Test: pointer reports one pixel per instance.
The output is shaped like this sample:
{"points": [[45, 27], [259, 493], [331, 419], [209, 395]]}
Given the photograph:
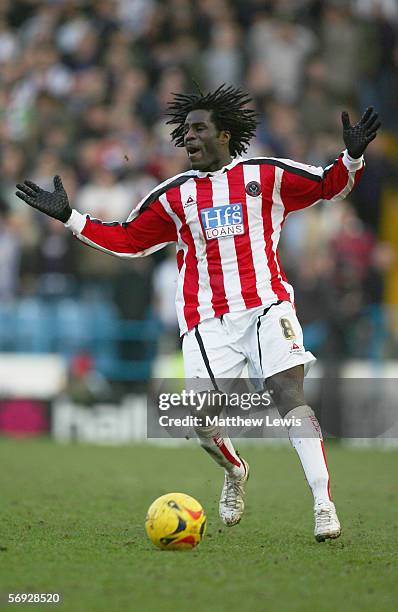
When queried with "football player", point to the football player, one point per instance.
{"points": [[234, 303]]}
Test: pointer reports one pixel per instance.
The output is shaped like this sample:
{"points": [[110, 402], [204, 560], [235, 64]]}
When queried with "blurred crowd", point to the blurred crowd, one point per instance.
{"points": [[83, 91]]}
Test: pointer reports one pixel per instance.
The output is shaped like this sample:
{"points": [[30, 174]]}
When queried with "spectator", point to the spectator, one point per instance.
{"points": [[280, 48], [86, 386], [340, 49], [9, 255], [104, 198], [164, 290], [223, 58]]}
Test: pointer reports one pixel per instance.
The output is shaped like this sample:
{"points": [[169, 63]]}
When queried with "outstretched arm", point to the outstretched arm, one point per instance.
{"points": [[301, 185], [152, 230], [148, 232]]}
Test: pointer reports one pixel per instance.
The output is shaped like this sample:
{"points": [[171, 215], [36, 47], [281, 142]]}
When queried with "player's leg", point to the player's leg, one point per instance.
{"points": [[210, 361], [283, 369], [215, 441], [286, 389]]}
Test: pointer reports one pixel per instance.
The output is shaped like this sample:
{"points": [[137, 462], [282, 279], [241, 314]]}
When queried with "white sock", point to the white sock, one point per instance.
{"points": [[307, 439], [217, 444]]}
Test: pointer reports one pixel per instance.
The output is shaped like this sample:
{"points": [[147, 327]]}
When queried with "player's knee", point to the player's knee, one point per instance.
{"points": [[286, 389], [208, 405]]}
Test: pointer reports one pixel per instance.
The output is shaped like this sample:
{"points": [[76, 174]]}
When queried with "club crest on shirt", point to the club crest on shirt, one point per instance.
{"points": [[223, 221], [253, 189]]}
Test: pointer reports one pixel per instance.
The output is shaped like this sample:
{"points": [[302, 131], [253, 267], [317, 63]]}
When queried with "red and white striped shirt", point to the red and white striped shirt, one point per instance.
{"points": [[226, 226]]}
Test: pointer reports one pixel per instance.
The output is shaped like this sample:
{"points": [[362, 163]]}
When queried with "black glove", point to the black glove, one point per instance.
{"points": [[55, 204], [358, 136]]}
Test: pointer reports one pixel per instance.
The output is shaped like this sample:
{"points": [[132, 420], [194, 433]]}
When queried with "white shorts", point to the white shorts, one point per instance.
{"points": [[267, 340]]}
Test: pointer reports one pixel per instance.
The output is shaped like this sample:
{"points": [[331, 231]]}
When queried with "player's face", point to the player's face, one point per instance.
{"points": [[207, 147]]}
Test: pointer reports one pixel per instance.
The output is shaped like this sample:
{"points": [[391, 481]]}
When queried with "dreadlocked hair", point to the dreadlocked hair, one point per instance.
{"points": [[227, 106]]}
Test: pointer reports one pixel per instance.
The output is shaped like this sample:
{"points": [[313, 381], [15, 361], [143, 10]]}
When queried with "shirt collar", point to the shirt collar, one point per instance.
{"points": [[234, 162]]}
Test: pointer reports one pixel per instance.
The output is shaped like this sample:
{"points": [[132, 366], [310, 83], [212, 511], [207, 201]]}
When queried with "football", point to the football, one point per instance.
{"points": [[175, 521]]}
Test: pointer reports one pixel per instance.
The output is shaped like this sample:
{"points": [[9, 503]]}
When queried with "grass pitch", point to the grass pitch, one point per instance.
{"points": [[72, 522]]}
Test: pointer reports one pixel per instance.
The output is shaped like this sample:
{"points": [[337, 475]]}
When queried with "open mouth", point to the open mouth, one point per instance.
{"points": [[194, 153]]}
